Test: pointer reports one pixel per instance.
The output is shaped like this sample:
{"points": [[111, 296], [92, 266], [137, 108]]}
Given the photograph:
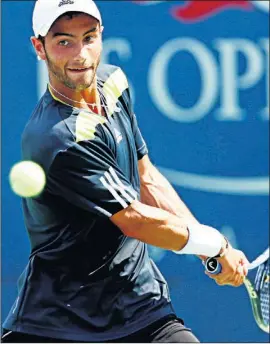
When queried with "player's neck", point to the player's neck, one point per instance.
{"points": [[86, 99]]}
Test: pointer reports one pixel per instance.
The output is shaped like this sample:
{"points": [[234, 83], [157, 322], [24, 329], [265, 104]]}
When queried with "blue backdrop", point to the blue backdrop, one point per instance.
{"points": [[200, 80]]}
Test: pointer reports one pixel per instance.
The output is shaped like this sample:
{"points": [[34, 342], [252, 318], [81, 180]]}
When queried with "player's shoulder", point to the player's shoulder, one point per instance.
{"points": [[105, 70], [111, 73], [114, 83]]}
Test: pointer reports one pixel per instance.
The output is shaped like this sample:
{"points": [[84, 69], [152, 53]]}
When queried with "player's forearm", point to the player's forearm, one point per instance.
{"points": [[160, 228], [156, 191], [153, 226]]}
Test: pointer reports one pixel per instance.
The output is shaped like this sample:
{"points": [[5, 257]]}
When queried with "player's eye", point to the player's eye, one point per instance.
{"points": [[63, 43], [89, 39]]}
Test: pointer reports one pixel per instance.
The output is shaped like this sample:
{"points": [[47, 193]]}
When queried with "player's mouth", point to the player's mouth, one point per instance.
{"points": [[79, 70]]}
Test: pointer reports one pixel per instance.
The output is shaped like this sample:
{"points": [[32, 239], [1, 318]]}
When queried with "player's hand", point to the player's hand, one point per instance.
{"points": [[234, 268]]}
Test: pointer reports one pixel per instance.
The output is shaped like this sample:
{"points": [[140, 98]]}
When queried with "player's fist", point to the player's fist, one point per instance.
{"points": [[234, 265]]}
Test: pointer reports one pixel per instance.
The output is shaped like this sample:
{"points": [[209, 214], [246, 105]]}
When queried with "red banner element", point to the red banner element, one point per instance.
{"points": [[196, 10]]}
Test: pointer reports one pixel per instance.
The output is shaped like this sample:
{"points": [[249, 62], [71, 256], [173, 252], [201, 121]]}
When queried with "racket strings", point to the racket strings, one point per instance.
{"points": [[262, 287]]}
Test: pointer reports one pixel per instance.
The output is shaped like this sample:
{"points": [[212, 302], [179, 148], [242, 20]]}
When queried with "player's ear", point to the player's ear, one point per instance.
{"points": [[101, 29], [39, 48]]}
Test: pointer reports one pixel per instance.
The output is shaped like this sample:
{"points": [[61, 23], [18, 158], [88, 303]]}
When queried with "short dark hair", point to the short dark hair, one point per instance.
{"points": [[42, 39], [69, 14]]}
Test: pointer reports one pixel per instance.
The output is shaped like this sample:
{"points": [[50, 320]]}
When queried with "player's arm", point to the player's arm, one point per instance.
{"points": [[160, 228]]}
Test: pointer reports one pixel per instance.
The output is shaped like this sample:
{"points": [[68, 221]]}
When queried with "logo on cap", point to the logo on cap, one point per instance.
{"points": [[65, 2]]}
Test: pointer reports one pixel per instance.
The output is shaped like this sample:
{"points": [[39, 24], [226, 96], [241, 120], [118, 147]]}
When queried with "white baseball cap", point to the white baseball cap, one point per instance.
{"points": [[47, 11]]}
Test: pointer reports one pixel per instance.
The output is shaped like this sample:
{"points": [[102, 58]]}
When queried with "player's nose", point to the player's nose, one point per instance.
{"points": [[80, 53]]}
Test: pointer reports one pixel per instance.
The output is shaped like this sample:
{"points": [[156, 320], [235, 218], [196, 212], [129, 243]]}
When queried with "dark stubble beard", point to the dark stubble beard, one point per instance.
{"points": [[64, 79]]}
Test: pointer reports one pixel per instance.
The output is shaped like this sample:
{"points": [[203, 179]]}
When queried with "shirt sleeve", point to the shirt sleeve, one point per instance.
{"points": [[139, 140], [88, 176]]}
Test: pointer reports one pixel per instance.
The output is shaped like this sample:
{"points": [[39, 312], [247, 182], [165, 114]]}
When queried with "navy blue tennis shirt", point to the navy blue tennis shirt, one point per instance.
{"points": [[85, 280]]}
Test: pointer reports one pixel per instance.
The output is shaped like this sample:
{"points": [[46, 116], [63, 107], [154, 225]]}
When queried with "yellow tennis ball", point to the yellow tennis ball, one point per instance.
{"points": [[27, 179]]}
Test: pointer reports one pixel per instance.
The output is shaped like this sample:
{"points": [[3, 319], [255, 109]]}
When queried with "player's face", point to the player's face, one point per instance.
{"points": [[73, 48]]}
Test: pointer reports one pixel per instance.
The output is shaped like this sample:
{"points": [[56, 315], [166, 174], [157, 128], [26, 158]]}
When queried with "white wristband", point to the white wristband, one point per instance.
{"points": [[203, 240]]}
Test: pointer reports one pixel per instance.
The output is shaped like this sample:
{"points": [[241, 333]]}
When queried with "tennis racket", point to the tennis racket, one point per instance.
{"points": [[257, 285]]}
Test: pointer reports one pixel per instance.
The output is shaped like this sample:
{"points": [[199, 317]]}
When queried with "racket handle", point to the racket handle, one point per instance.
{"points": [[212, 266]]}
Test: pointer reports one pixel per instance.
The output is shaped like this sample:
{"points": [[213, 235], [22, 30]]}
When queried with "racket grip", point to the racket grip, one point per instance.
{"points": [[213, 266]]}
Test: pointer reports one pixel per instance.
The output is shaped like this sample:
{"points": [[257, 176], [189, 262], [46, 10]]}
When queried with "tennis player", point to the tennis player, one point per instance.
{"points": [[89, 276]]}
